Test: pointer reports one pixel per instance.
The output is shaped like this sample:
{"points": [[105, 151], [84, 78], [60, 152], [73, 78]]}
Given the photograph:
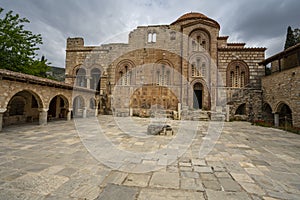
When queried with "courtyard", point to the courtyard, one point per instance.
{"points": [[56, 162]]}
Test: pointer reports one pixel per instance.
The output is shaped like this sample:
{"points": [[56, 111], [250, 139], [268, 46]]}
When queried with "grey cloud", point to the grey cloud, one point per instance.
{"points": [[256, 22]]}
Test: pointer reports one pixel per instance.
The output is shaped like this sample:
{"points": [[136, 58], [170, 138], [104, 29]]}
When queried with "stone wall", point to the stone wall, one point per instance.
{"points": [[172, 44], [283, 88], [43, 91]]}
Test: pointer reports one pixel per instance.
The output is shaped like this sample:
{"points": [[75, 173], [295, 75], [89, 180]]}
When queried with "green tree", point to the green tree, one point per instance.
{"points": [[290, 38], [297, 35], [18, 46]]}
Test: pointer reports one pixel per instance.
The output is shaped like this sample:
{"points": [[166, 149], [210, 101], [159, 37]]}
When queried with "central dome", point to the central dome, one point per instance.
{"points": [[191, 15], [195, 16]]}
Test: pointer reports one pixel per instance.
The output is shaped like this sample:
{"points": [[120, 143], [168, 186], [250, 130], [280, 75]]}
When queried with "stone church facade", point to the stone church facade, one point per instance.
{"points": [[182, 67]]}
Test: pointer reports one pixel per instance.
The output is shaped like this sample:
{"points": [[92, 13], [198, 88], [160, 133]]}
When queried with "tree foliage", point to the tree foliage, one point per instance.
{"points": [[18, 46], [292, 37]]}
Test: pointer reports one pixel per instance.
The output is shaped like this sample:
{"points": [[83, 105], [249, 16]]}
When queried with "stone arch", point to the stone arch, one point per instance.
{"points": [[93, 103], [80, 74], [199, 40], [79, 107], [267, 113], [58, 107], [37, 96], [123, 73], [237, 74], [241, 109], [205, 96], [285, 114], [95, 78], [23, 106]]}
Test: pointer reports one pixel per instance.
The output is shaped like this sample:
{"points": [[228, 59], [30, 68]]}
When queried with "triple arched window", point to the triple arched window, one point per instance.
{"points": [[124, 73], [199, 66], [162, 75], [199, 41], [237, 74]]}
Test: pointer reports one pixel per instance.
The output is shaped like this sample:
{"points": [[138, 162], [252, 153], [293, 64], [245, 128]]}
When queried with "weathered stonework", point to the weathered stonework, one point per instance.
{"points": [[281, 89], [27, 98], [188, 56]]}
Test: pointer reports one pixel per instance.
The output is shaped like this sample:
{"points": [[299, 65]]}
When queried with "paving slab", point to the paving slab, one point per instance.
{"points": [[112, 191], [51, 162]]}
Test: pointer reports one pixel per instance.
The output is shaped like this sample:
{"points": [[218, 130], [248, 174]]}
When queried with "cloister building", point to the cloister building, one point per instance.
{"points": [[185, 65]]}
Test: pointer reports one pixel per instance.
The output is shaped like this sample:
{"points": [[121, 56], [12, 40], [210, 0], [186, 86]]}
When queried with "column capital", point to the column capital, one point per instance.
{"points": [[2, 110], [43, 109]]}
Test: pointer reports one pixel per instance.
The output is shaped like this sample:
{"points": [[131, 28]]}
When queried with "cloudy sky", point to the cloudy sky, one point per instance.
{"points": [[261, 23]]}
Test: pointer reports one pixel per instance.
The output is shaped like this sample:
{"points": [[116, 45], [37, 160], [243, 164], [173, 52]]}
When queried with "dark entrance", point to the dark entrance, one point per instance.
{"points": [[285, 116], [198, 93]]}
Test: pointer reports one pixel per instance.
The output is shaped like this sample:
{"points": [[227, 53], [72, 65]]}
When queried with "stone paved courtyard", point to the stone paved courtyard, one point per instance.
{"points": [[51, 162]]}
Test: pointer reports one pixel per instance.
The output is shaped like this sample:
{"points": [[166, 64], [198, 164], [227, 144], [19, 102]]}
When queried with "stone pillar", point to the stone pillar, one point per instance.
{"points": [[84, 112], [2, 110], [88, 82], [179, 111], [96, 111], [227, 113], [43, 116], [276, 119], [130, 112], [69, 114]]}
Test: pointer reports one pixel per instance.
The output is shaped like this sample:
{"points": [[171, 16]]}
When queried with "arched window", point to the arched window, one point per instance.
{"points": [[95, 79], [92, 103], [237, 74], [80, 77], [199, 65], [124, 75], [199, 41], [162, 75], [151, 37]]}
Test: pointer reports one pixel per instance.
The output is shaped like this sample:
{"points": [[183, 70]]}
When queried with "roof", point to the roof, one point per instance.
{"points": [[20, 77], [280, 54], [195, 16]]}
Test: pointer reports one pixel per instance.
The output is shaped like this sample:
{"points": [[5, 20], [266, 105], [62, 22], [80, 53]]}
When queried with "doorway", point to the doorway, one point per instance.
{"points": [[198, 94]]}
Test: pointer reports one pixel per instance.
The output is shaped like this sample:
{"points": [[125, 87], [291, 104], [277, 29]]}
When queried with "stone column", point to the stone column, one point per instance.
{"points": [[88, 82], [2, 110], [227, 113], [84, 112], [276, 119], [43, 116], [179, 111], [69, 114], [96, 111]]}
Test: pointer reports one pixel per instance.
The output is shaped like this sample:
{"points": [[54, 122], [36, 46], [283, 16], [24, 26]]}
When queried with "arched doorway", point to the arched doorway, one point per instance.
{"points": [[78, 107], [285, 115], [58, 108], [197, 97], [241, 110], [267, 114], [22, 108]]}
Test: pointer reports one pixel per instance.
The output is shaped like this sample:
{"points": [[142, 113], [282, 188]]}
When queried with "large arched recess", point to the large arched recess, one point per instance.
{"points": [[58, 107], [267, 113], [23, 107], [285, 114], [78, 106]]}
